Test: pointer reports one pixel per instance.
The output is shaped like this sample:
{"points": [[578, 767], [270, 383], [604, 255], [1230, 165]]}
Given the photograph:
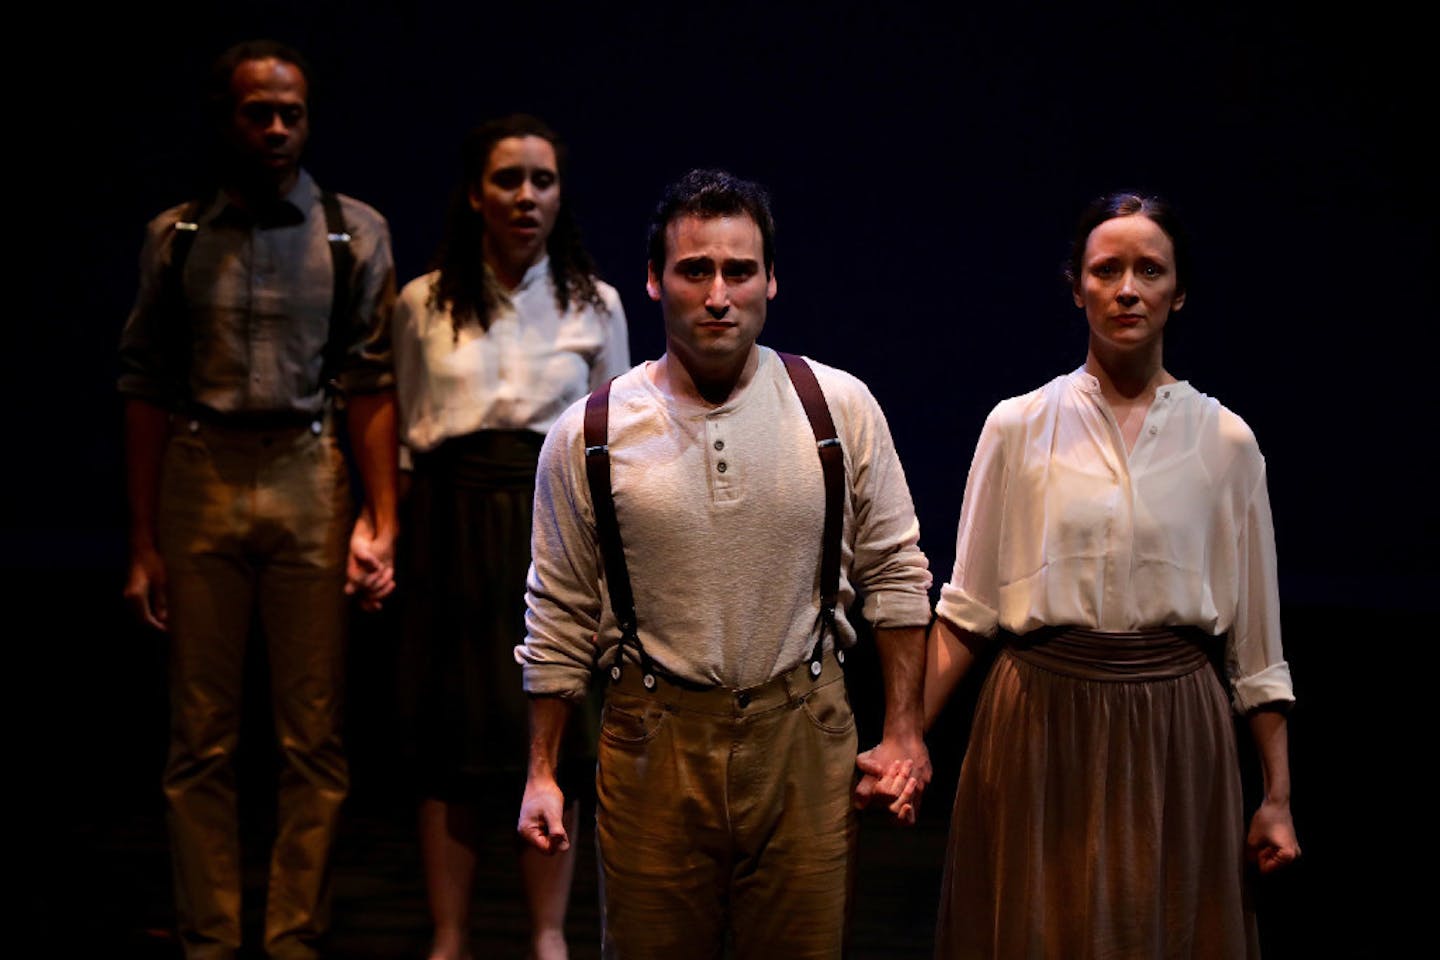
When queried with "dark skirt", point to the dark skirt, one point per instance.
{"points": [[464, 570], [1099, 812]]}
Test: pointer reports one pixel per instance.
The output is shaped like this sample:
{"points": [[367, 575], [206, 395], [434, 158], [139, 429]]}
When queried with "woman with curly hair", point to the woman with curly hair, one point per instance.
{"points": [[510, 329]]}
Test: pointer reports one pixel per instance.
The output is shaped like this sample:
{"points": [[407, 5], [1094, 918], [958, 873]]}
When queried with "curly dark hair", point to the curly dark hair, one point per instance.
{"points": [[1124, 204], [461, 260], [708, 194]]}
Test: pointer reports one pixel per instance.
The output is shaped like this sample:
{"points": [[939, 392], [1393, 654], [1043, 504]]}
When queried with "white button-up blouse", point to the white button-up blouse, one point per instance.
{"points": [[520, 374], [1061, 527]]}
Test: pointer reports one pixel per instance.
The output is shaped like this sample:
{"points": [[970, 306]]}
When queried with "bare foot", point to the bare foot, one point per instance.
{"points": [[549, 945], [449, 950]]}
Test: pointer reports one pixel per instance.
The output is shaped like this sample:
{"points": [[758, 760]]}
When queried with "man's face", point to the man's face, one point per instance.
{"points": [[268, 122], [712, 291]]}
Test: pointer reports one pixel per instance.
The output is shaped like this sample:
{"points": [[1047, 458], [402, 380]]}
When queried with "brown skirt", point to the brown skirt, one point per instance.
{"points": [[1099, 812]]}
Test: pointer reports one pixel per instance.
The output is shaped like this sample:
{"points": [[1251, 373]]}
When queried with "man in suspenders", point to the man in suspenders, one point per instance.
{"points": [[258, 306], [702, 528]]}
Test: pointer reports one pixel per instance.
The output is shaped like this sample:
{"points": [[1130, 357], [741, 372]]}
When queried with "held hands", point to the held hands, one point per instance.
{"points": [[145, 589], [542, 816], [370, 567], [1271, 842], [896, 773]]}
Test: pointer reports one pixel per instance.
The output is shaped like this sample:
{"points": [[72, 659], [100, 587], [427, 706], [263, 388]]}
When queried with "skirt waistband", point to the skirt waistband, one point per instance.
{"points": [[1161, 653], [486, 459]]}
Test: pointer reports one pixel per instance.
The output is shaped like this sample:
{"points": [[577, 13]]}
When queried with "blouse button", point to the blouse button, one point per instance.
{"points": [[719, 444], [1154, 430], [721, 466]]}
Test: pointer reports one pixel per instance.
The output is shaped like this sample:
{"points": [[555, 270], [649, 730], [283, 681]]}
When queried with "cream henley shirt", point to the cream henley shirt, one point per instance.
{"points": [[720, 511]]}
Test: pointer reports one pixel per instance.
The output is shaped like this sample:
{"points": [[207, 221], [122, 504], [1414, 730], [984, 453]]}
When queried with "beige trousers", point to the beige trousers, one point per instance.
{"points": [[254, 522], [727, 813]]}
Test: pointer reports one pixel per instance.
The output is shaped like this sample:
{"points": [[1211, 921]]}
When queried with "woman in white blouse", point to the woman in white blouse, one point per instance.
{"points": [[490, 348], [1116, 535]]}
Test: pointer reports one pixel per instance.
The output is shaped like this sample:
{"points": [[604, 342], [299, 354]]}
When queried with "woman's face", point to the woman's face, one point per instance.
{"points": [[1127, 284], [519, 197]]}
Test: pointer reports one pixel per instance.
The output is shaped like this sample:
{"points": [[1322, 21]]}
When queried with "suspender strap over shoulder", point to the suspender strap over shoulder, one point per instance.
{"points": [[832, 463], [342, 262], [179, 339], [607, 525], [607, 528]]}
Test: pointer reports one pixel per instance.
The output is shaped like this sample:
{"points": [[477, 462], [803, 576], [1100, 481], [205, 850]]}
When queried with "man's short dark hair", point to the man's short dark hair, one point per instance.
{"points": [[708, 194], [223, 69]]}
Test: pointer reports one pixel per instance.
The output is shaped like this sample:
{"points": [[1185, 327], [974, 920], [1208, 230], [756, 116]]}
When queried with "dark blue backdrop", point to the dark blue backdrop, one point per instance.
{"points": [[926, 167]]}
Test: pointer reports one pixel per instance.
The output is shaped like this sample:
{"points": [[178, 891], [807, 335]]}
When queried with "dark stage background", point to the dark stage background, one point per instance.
{"points": [[926, 167]]}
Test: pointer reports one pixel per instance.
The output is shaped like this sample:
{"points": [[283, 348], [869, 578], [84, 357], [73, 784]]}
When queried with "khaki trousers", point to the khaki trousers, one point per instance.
{"points": [[254, 522], [727, 812]]}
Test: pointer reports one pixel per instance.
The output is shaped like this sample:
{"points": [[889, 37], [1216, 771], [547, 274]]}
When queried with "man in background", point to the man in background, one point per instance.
{"points": [[262, 309]]}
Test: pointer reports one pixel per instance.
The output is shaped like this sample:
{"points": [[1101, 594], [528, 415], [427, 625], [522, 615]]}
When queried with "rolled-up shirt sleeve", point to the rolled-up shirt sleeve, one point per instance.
{"points": [[563, 591], [971, 600], [888, 570], [146, 354], [367, 365], [1256, 661]]}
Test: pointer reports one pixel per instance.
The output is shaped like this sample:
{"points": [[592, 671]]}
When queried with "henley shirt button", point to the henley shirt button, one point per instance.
{"points": [[743, 698], [721, 466], [719, 444]]}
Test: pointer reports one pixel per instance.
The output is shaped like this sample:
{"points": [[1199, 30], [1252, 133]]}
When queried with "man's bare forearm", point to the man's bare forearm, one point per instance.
{"points": [[146, 430], [548, 716], [902, 662], [371, 420]]}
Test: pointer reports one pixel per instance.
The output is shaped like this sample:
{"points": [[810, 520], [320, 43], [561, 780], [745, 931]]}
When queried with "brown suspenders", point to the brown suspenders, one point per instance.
{"points": [[607, 526], [181, 336]]}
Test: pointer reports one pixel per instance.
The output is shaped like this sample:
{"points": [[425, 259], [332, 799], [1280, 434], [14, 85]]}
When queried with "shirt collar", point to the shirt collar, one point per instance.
{"points": [[536, 273], [293, 208], [1086, 382]]}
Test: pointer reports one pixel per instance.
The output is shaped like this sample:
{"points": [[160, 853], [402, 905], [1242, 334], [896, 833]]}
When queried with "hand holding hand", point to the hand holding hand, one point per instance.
{"points": [[894, 786], [370, 567], [895, 772]]}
